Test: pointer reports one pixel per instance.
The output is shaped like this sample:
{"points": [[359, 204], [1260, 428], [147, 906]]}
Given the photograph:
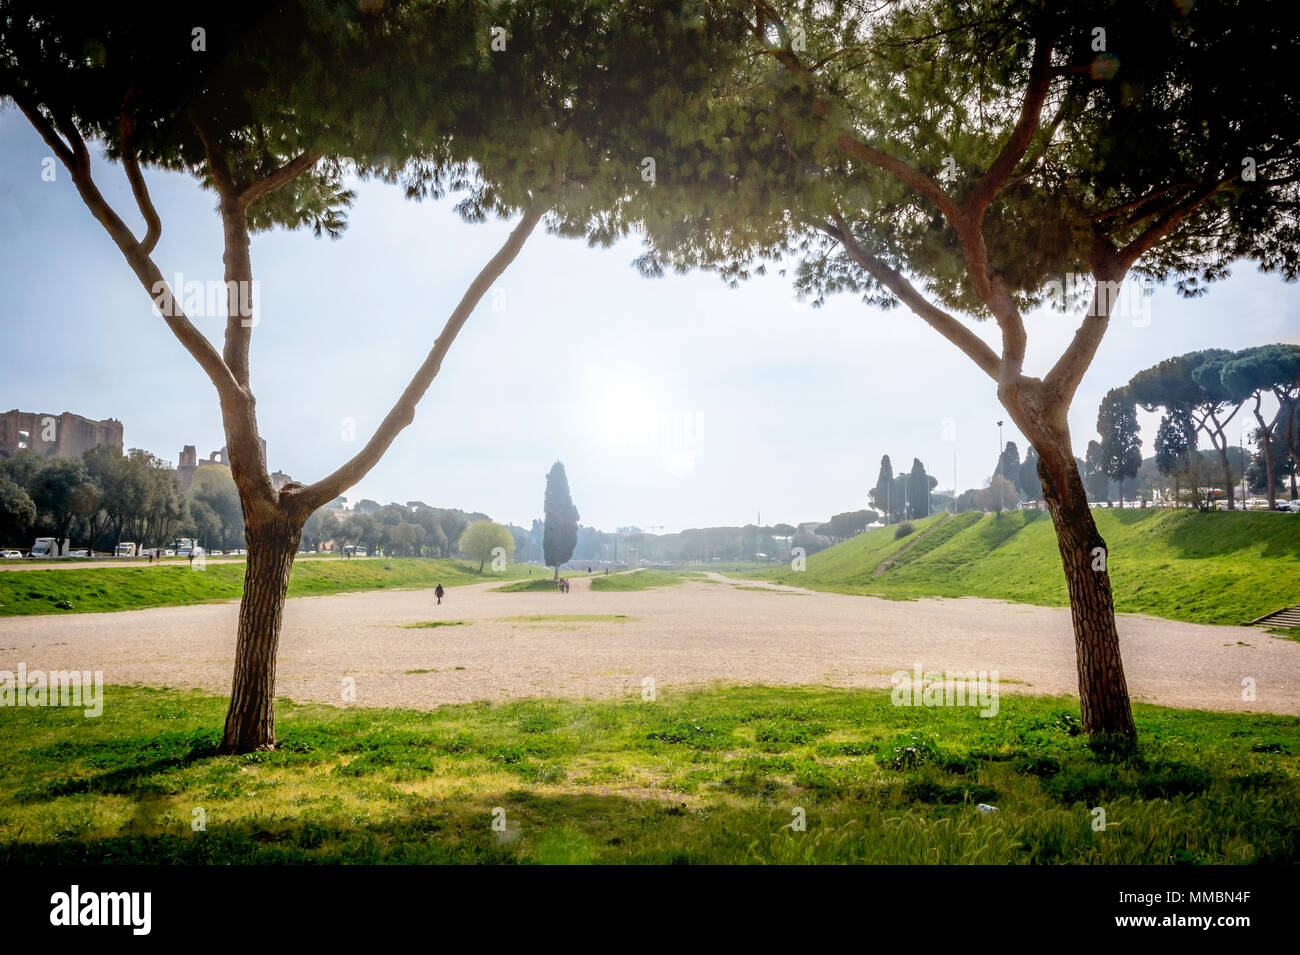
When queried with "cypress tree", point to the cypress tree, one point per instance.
{"points": [[560, 535]]}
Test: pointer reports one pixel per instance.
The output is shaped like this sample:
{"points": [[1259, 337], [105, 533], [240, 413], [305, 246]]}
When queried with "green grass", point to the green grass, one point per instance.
{"points": [[1223, 568], [640, 580], [129, 588], [544, 584], [711, 776], [429, 624]]}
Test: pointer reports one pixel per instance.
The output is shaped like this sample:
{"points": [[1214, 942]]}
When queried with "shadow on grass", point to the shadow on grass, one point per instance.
{"points": [[123, 780], [1220, 534]]}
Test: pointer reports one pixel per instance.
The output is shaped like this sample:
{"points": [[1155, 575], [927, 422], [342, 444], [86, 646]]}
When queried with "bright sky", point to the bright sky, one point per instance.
{"points": [[673, 403]]}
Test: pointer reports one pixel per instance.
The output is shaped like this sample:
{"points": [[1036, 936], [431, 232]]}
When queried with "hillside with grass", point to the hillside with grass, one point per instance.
{"points": [[1224, 568]]}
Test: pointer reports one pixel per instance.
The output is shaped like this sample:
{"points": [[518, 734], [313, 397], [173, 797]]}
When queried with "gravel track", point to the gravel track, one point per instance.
{"points": [[692, 634]]}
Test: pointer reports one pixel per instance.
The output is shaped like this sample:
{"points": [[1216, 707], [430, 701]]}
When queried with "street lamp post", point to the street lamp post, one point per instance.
{"points": [[998, 472], [1241, 457]]}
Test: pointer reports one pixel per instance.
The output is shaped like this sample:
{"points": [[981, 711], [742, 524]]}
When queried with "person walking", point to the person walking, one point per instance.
{"points": [[439, 592]]}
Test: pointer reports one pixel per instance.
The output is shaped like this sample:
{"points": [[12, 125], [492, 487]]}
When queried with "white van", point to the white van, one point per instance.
{"points": [[45, 547], [127, 549]]}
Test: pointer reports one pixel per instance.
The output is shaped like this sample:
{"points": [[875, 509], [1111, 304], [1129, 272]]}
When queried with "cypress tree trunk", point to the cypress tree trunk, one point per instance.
{"points": [[250, 720], [1103, 691]]}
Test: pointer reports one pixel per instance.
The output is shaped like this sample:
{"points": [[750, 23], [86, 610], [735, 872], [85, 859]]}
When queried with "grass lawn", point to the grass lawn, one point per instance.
{"points": [[1220, 567], [711, 776], [640, 580], [543, 584], [130, 588]]}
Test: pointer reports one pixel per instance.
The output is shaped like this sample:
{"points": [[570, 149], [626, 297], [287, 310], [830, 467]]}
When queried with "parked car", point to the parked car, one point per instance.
{"points": [[168, 552], [78, 553], [10, 554], [1290, 506]]}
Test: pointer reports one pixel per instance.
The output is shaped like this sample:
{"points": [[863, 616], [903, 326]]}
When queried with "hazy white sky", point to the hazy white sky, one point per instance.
{"points": [[673, 403]]}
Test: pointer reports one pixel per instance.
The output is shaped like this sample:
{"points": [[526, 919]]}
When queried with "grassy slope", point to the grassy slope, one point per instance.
{"points": [[710, 776], [1209, 568], [129, 588]]}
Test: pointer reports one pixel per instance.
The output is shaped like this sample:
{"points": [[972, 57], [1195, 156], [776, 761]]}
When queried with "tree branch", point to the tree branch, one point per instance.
{"points": [[217, 166], [926, 185], [44, 126], [281, 177], [131, 163], [238, 264], [904, 172], [1135, 204], [403, 412], [1073, 363], [1040, 82], [146, 271], [946, 325], [1170, 220]]}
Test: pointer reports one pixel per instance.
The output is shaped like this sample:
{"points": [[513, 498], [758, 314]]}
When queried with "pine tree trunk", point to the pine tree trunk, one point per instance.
{"points": [[1103, 691], [1271, 478], [250, 720]]}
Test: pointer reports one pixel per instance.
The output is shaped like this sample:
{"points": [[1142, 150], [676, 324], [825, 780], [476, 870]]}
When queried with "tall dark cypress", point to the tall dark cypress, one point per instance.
{"points": [[882, 493], [560, 535]]}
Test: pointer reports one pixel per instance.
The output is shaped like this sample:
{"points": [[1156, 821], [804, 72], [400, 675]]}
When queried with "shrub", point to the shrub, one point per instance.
{"points": [[907, 752], [903, 529]]}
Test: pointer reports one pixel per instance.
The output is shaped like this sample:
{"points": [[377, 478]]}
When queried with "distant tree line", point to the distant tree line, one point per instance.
{"points": [[910, 495], [104, 498], [97, 500], [1201, 393], [413, 529]]}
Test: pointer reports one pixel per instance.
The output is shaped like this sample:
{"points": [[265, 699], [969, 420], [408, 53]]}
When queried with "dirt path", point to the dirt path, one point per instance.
{"points": [[691, 634]]}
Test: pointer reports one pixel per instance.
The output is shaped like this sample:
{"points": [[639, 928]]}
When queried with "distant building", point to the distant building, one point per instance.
{"points": [[68, 435], [190, 462]]}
